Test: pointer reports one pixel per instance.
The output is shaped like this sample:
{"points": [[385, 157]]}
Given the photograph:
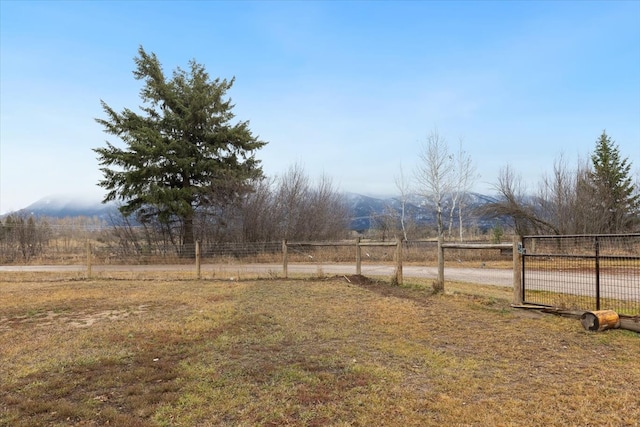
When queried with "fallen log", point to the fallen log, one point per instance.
{"points": [[600, 320], [630, 323]]}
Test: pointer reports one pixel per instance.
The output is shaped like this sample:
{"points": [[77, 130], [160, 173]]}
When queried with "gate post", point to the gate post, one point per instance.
{"points": [[597, 258], [517, 271]]}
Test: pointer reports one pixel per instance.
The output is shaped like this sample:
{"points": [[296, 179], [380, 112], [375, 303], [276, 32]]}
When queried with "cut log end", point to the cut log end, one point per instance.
{"points": [[589, 321], [600, 320]]}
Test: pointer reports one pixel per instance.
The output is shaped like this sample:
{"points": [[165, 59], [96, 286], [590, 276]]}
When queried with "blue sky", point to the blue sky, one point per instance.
{"points": [[346, 89]]}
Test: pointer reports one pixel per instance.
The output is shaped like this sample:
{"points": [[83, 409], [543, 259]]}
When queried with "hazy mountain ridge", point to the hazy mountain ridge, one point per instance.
{"points": [[366, 211], [70, 206]]}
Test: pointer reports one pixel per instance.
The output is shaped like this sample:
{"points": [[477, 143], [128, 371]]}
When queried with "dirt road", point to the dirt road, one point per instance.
{"points": [[611, 285], [471, 275]]}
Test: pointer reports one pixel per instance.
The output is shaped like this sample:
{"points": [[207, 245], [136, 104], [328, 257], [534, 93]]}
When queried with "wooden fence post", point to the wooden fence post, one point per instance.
{"points": [[517, 271], [399, 262], [439, 285], [358, 257], [198, 256], [88, 259], [285, 259]]}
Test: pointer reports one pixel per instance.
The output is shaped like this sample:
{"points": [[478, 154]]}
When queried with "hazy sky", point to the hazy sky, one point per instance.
{"points": [[345, 89]]}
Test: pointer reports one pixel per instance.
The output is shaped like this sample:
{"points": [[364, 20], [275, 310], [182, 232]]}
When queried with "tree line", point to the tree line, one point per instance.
{"points": [[595, 197], [22, 237], [188, 172], [25, 237]]}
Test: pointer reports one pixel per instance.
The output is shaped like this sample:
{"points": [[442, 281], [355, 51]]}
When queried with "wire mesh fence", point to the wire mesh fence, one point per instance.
{"points": [[587, 272], [569, 271], [91, 248]]}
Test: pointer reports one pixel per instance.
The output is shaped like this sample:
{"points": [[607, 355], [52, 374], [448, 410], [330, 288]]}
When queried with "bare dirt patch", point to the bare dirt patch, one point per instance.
{"points": [[79, 319]]}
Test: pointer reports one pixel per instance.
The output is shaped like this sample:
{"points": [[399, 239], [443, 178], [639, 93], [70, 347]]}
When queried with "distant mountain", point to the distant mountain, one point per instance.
{"points": [[366, 212], [70, 206]]}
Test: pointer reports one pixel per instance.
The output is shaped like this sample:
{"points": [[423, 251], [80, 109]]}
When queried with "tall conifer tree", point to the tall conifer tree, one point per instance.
{"points": [[182, 153], [612, 186]]}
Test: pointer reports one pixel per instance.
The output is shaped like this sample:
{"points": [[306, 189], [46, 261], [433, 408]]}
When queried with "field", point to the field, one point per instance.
{"points": [[339, 351]]}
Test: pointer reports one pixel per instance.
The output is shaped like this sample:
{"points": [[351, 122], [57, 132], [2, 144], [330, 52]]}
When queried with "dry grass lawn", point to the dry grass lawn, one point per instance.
{"points": [[302, 353]]}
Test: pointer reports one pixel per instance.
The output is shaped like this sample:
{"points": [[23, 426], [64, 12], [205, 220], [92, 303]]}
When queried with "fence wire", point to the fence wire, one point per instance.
{"points": [[583, 272]]}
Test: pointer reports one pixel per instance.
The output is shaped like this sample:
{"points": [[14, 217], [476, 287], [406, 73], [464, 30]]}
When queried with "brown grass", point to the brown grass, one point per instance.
{"points": [[336, 352]]}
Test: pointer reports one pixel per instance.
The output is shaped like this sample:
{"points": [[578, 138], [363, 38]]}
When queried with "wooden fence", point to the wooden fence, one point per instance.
{"points": [[301, 252], [358, 244]]}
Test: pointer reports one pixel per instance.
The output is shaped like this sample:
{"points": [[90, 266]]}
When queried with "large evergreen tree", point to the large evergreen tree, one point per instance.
{"points": [[612, 188], [182, 153]]}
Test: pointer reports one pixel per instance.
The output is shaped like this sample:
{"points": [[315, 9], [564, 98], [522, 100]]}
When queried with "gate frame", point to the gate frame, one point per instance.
{"points": [[596, 257]]}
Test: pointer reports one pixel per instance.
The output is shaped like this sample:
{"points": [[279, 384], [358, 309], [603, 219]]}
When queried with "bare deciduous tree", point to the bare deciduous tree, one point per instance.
{"points": [[294, 208], [435, 174], [557, 197], [22, 237], [257, 226], [404, 187], [436, 180], [465, 176], [291, 202], [328, 214], [515, 204]]}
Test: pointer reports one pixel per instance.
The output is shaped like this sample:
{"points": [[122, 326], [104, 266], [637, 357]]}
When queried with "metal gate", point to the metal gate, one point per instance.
{"points": [[582, 272]]}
